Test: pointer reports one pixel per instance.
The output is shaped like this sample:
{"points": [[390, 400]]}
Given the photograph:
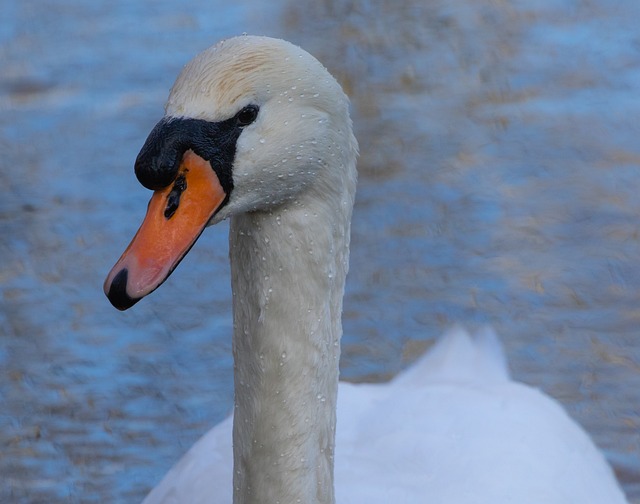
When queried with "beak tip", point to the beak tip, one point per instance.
{"points": [[117, 291]]}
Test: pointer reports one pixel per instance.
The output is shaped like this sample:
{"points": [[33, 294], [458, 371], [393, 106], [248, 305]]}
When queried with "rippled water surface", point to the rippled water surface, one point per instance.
{"points": [[499, 183]]}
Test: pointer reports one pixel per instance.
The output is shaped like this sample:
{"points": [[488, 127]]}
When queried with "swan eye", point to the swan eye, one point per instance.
{"points": [[247, 115]]}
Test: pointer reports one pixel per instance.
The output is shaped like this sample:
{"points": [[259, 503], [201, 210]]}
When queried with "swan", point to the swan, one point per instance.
{"points": [[257, 131]]}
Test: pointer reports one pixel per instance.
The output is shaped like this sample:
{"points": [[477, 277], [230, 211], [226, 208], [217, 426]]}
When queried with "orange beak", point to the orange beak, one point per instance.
{"points": [[175, 218]]}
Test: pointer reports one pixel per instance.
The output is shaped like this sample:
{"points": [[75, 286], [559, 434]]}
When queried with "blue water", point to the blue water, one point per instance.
{"points": [[499, 182]]}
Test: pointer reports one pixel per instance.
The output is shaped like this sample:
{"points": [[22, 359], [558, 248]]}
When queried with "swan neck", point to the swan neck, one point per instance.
{"points": [[288, 271]]}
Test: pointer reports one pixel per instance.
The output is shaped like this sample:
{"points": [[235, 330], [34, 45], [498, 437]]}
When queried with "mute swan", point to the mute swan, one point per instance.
{"points": [[256, 130]]}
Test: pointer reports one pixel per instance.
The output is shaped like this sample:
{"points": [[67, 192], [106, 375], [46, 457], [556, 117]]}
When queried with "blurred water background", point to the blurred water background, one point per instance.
{"points": [[499, 183]]}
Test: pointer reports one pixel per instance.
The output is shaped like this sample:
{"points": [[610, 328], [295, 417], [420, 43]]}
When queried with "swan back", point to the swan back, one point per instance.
{"points": [[450, 439], [454, 428]]}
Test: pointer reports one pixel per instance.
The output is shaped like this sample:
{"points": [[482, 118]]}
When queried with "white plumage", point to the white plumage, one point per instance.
{"points": [[452, 429]]}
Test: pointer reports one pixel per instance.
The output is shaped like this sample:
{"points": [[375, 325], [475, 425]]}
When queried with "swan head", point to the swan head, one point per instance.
{"points": [[250, 124]]}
